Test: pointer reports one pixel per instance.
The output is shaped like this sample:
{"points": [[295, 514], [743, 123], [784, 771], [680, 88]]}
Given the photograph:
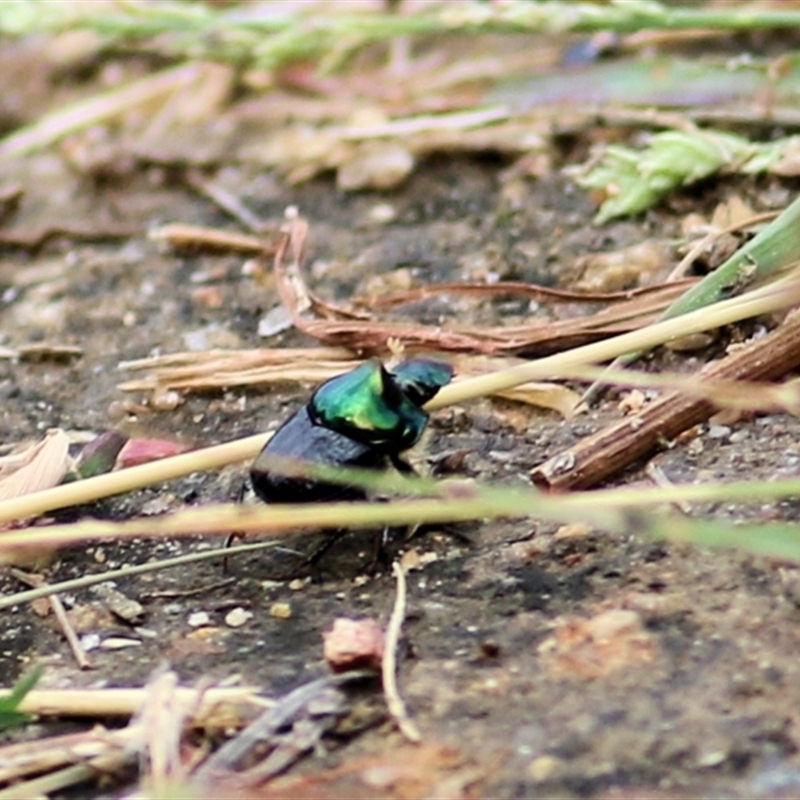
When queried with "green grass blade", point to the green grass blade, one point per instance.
{"points": [[9, 716]]}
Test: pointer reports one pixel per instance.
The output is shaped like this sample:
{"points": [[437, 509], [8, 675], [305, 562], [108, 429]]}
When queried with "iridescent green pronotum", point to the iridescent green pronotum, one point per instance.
{"points": [[365, 418]]}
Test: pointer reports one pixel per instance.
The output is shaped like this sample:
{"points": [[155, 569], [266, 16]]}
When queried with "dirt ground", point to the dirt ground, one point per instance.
{"points": [[537, 662]]}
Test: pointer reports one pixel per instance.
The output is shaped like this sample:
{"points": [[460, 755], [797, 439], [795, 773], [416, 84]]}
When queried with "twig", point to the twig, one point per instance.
{"points": [[394, 702], [37, 582], [617, 446], [193, 239]]}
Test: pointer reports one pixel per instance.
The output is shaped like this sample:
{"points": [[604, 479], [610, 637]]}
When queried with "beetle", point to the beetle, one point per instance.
{"points": [[364, 418]]}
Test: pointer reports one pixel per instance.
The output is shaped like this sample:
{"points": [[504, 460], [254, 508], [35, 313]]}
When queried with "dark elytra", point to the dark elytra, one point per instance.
{"points": [[305, 437]]}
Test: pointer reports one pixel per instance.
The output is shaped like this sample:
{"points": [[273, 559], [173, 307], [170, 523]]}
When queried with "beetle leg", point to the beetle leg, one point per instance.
{"points": [[232, 537], [401, 465], [315, 556]]}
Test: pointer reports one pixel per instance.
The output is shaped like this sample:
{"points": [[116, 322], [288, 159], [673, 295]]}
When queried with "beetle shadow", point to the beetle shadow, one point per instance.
{"points": [[343, 554]]}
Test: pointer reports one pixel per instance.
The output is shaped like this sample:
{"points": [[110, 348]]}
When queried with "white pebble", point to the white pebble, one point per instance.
{"points": [[198, 619]]}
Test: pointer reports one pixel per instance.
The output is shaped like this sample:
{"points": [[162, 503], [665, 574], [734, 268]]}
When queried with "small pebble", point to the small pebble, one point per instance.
{"points": [[274, 321], [573, 530], [118, 643], [90, 641], [198, 619], [353, 644], [382, 214], [237, 617], [719, 432], [695, 447], [411, 560], [712, 759], [280, 610], [119, 604]]}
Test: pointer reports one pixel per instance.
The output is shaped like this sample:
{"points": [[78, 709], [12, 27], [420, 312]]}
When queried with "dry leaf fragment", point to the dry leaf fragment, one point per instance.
{"points": [[43, 466], [143, 451], [732, 212], [545, 395]]}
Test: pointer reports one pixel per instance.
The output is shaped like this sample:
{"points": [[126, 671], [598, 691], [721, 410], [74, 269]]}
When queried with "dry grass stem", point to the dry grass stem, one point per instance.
{"points": [[102, 108], [164, 719], [394, 702], [86, 581], [532, 291], [224, 369], [74, 758], [227, 202], [115, 756], [90, 489], [780, 294], [336, 325], [278, 520], [213, 707]]}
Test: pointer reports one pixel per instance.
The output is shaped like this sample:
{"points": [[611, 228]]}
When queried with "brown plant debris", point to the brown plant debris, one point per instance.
{"points": [[195, 239], [221, 369], [41, 466], [282, 734], [515, 289], [357, 331], [622, 443]]}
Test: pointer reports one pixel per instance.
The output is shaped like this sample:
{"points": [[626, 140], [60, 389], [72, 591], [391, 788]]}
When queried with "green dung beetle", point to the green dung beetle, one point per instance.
{"points": [[364, 418]]}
